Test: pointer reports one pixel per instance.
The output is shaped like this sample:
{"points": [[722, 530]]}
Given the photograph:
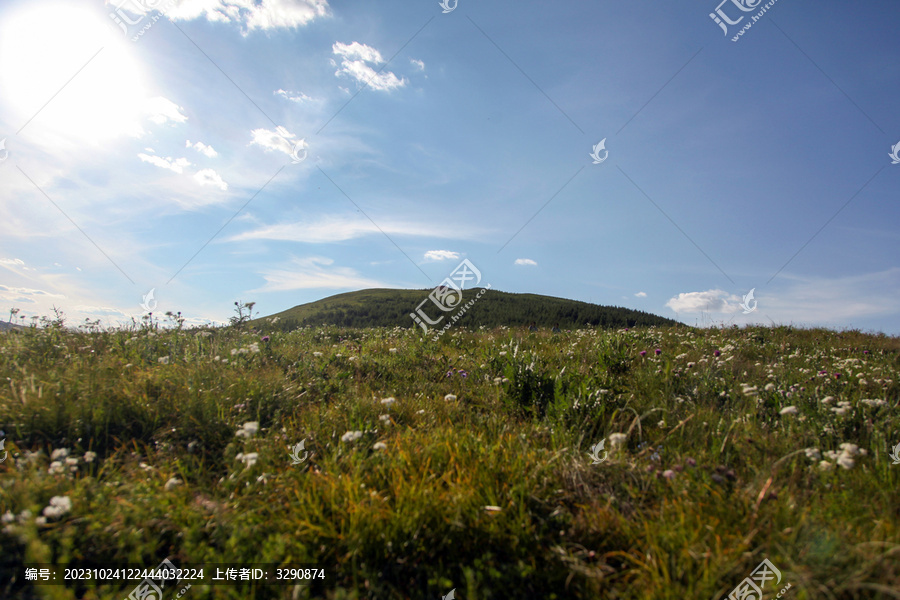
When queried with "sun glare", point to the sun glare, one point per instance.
{"points": [[42, 49]]}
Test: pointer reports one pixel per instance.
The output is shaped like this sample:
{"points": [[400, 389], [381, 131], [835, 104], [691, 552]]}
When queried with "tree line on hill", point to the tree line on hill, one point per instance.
{"points": [[493, 309]]}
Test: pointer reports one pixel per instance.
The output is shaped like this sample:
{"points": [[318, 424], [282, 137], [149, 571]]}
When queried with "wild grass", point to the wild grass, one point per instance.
{"points": [[477, 477]]}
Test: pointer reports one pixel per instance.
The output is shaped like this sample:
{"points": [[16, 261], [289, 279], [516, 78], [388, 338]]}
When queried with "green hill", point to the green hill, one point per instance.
{"points": [[392, 308]]}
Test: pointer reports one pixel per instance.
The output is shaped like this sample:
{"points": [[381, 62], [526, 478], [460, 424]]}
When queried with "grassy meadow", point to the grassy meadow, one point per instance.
{"points": [[463, 465]]}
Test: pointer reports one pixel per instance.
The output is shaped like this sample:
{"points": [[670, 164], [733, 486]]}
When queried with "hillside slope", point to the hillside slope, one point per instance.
{"points": [[391, 308]]}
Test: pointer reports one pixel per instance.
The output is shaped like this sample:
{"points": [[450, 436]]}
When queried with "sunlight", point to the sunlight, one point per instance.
{"points": [[41, 49]]}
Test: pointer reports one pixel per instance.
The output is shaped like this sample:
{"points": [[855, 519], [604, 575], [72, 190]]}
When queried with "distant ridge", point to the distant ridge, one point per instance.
{"points": [[391, 308], [6, 326]]}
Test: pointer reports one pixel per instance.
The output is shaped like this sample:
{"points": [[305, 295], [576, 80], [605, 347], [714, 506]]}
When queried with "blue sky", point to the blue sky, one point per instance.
{"points": [[166, 155]]}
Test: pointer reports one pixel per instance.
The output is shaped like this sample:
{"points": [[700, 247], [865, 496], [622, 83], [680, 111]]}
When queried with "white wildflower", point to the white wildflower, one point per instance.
{"points": [[163, 360], [351, 436], [871, 402], [789, 410], [59, 505], [845, 461], [172, 483], [617, 439], [248, 459], [450, 398], [248, 429]]}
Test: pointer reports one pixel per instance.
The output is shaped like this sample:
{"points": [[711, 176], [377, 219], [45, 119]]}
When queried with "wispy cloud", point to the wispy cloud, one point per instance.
{"points": [[279, 139], [338, 228], [314, 273], [441, 255], [251, 14], [23, 294], [641, 295], [176, 165], [202, 148], [418, 64], [526, 261], [294, 96], [162, 110], [354, 58], [210, 177]]}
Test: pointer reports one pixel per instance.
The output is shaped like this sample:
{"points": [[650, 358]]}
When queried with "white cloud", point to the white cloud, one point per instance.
{"points": [[441, 255], [356, 50], [294, 96], [251, 14], [353, 63], [526, 261], [21, 294], [176, 165], [805, 300], [420, 65], [210, 177], [338, 228], [716, 301], [12, 261], [202, 149], [161, 110], [280, 139], [641, 295], [313, 273]]}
